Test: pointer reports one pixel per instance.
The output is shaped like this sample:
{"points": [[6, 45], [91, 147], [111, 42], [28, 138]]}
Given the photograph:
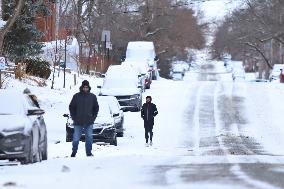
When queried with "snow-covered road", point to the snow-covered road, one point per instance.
{"points": [[210, 133]]}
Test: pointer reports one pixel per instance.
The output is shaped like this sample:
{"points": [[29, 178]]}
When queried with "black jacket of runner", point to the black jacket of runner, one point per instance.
{"points": [[148, 112], [84, 108]]}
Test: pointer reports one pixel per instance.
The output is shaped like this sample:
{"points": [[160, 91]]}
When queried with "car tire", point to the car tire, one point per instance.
{"points": [[44, 153], [120, 134], [29, 158], [154, 77], [114, 141], [38, 155]]}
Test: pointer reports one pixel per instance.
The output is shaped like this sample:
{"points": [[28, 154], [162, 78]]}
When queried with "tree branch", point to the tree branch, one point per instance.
{"points": [[259, 51], [154, 32], [12, 19]]}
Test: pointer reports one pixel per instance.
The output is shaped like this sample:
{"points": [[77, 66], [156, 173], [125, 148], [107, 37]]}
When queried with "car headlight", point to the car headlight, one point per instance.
{"points": [[135, 96], [107, 125], [13, 131], [104, 125], [15, 139]]}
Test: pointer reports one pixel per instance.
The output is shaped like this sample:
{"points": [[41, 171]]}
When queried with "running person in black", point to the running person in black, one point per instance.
{"points": [[148, 112]]}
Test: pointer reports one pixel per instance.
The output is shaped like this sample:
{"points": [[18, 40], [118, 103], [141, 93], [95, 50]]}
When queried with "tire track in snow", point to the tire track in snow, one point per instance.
{"points": [[196, 118], [236, 169]]}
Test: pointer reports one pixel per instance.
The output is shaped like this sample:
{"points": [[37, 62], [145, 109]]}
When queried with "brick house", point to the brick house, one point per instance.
{"points": [[47, 25]]}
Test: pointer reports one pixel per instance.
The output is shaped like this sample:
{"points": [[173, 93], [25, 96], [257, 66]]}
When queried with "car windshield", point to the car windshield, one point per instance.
{"points": [[139, 54], [104, 110], [11, 104], [119, 83], [114, 106]]}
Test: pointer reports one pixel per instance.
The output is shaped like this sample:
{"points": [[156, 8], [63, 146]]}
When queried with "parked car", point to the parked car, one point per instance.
{"points": [[127, 68], [104, 127], [183, 64], [275, 73], [143, 71], [177, 72], [23, 134], [176, 76], [281, 76], [238, 74], [124, 87], [117, 112], [143, 51], [124, 72]]}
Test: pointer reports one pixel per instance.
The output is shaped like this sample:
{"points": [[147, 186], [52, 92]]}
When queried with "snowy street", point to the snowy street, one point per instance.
{"points": [[220, 110], [210, 133]]}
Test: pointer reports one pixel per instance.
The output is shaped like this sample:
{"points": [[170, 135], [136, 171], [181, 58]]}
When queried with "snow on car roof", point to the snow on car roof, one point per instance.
{"points": [[120, 71], [104, 110], [112, 101], [12, 102], [141, 66], [140, 45], [277, 67]]}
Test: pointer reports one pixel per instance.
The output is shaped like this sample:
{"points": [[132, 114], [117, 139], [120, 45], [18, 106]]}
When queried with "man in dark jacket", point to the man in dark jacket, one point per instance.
{"points": [[148, 112], [83, 109]]}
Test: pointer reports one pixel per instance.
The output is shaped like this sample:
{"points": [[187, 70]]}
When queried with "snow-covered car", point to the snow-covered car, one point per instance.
{"points": [[275, 73], [143, 51], [126, 70], [126, 89], [185, 66], [117, 113], [177, 76], [238, 75], [177, 72], [104, 127], [143, 70], [23, 134]]}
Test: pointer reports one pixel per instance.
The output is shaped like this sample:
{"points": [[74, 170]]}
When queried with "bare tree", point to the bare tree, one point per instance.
{"points": [[171, 25], [256, 31]]}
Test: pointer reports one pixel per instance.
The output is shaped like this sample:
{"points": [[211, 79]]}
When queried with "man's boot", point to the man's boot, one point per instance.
{"points": [[73, 154]]}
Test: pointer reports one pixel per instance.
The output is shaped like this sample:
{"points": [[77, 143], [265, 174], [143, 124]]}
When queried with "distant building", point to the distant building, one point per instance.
{"points": [[47, 24]]}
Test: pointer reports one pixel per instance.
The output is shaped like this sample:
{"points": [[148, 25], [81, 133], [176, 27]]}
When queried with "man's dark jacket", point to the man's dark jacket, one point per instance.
{"points": [[148, 112], [84, 108]]}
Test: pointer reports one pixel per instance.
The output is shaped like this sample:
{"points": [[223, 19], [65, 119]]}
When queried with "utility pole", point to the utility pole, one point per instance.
{"points": [[56, 48], [64, 67]]}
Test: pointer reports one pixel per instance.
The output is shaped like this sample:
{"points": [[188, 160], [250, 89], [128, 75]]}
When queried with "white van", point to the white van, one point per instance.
{"points": [[123, 83], [143, 51]]}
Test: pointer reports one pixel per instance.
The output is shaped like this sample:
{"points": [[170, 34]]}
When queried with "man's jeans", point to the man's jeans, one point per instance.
{"points": [[78, 130]]}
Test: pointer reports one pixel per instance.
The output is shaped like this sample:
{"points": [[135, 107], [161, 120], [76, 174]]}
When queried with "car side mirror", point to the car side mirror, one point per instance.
{"points": [[140, 86], [35, 112], [99, 87], [66, 115], [123, 58], [156, 58], [115, 115]]}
